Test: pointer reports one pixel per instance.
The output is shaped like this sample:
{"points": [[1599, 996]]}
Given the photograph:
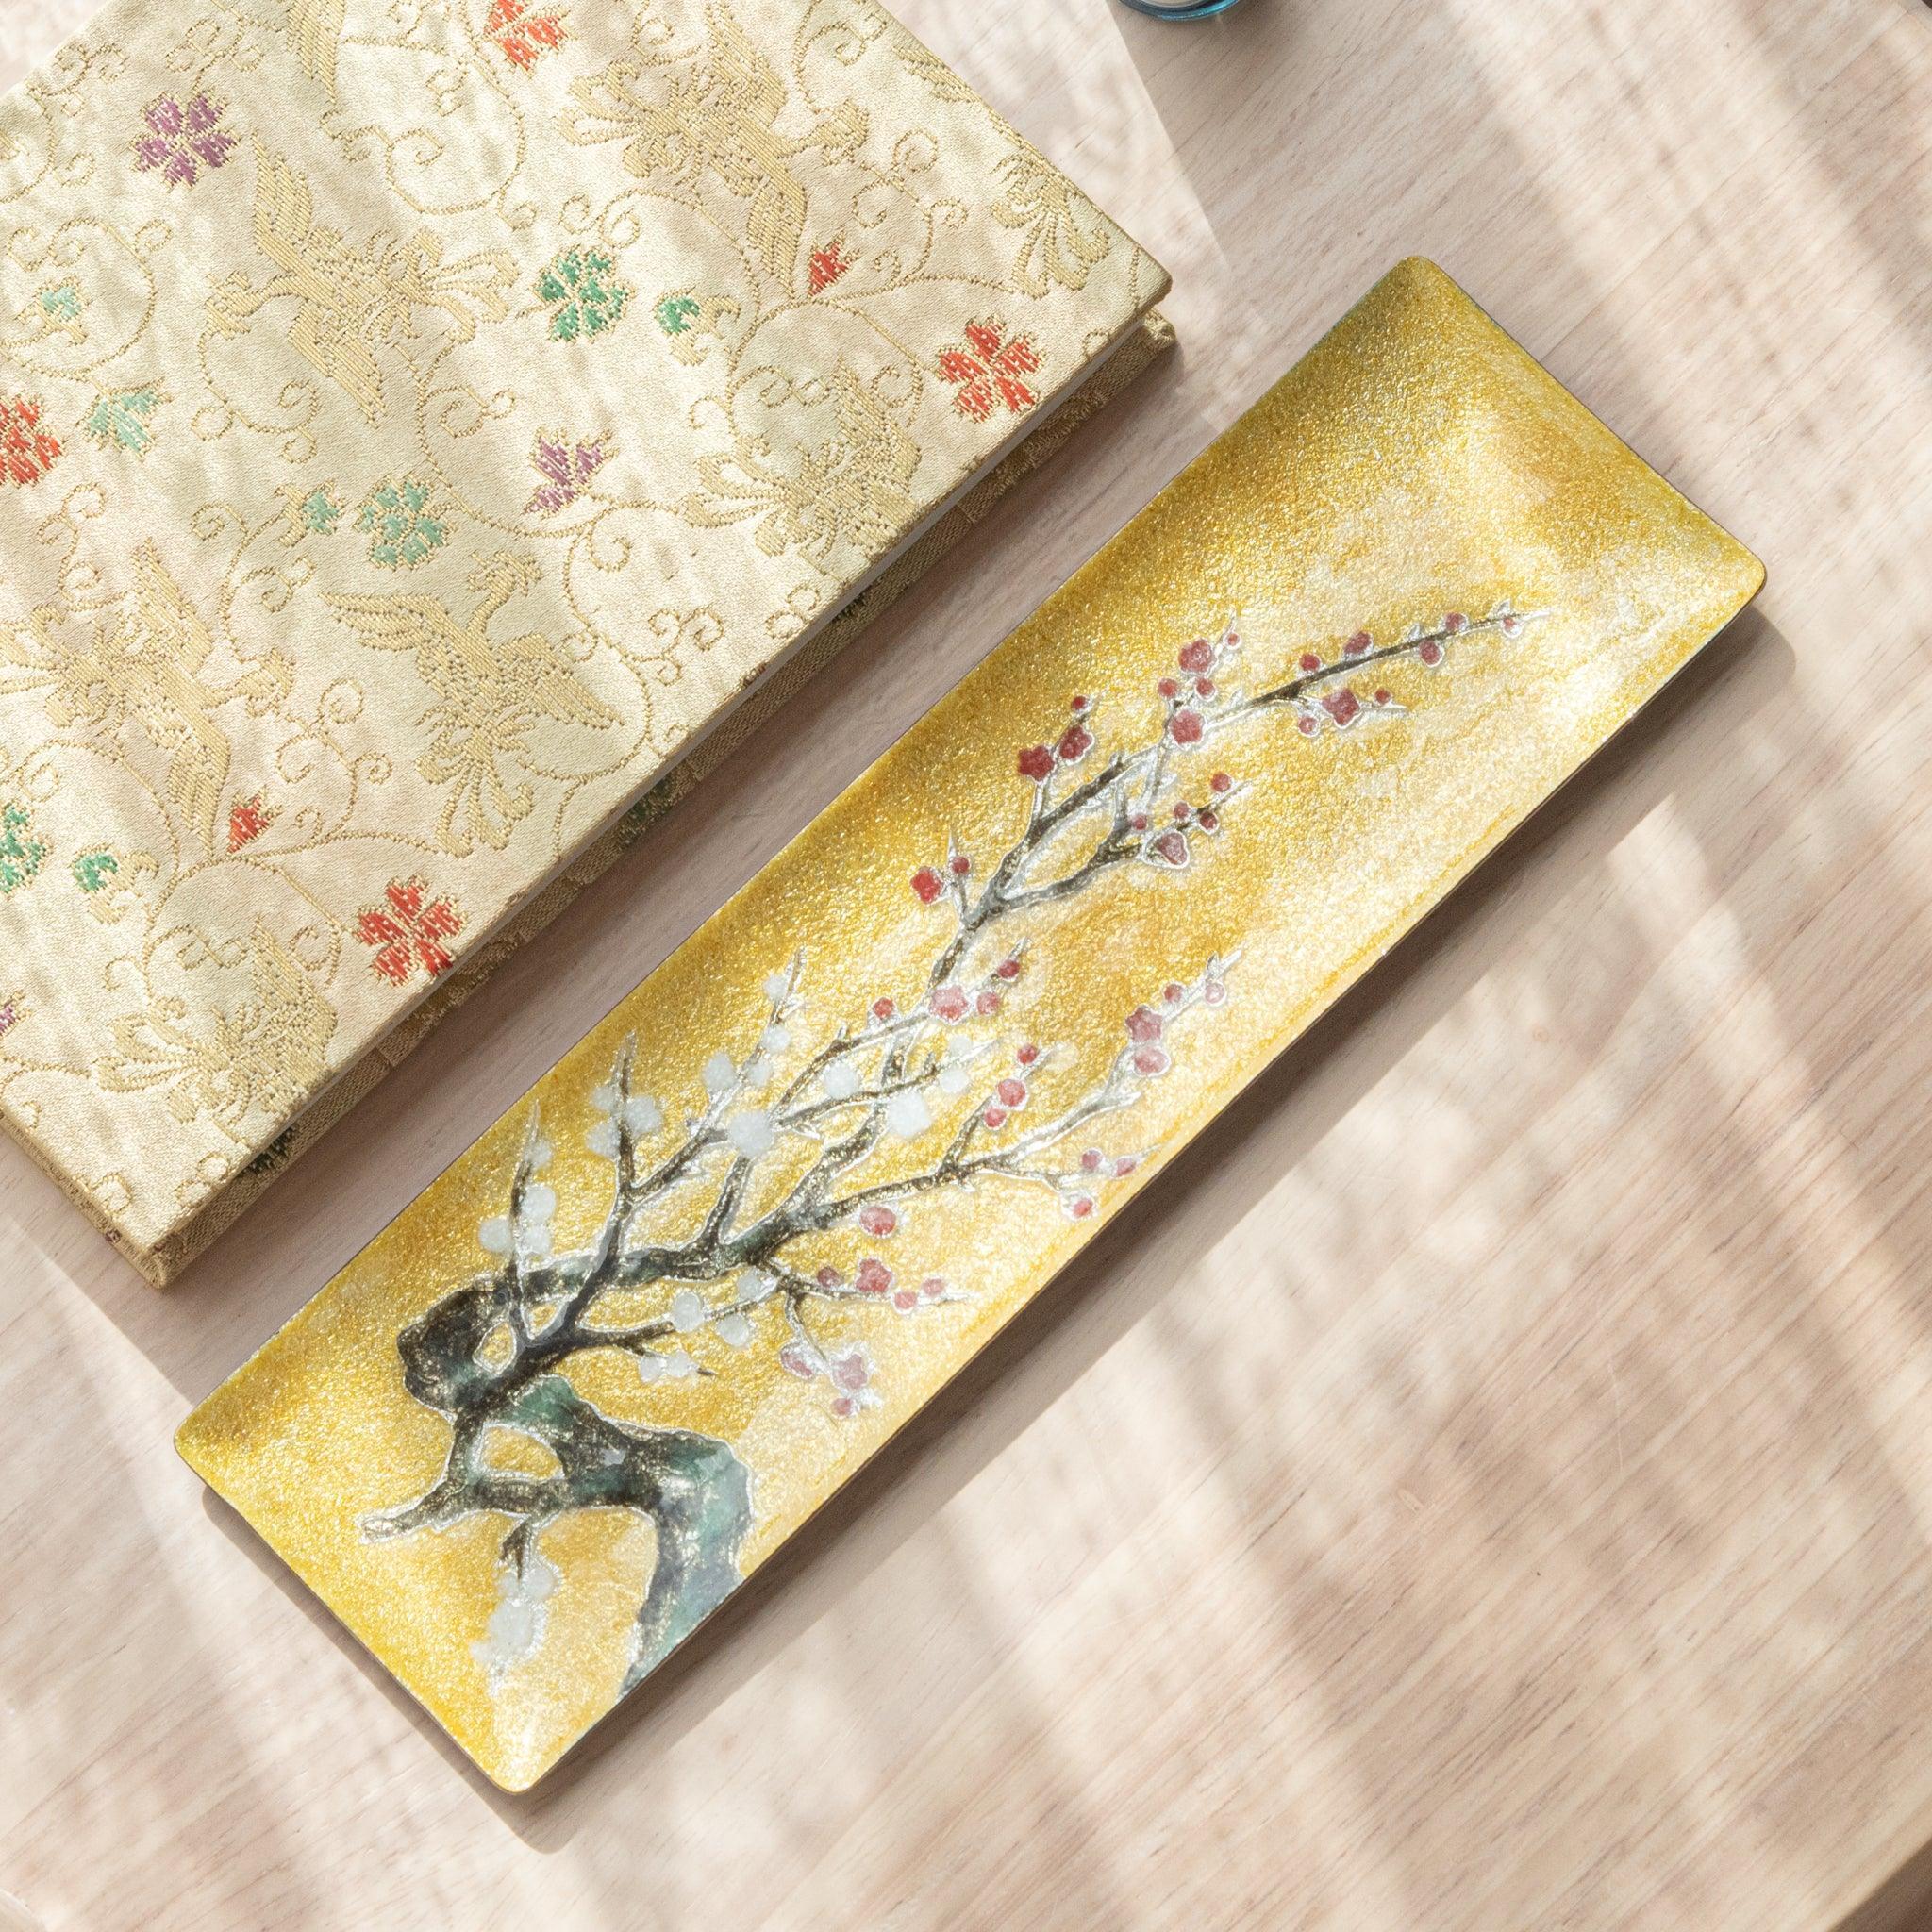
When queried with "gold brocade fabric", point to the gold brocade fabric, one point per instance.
{"points": [[417, 425]]}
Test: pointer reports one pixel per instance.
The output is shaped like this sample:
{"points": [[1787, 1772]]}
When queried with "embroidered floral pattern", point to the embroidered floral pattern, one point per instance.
{"points": [[27, 450], [407, 931], [248, 819], [675, 313], [826, 265], [990, 372], [94, 870], [20, 854], [183, 138], [401, 522], [567, 468], [585, 294], [522, 35], [123, 419]]}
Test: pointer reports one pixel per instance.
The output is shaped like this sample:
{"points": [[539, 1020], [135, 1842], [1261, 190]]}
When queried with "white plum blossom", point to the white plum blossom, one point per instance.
{"points": [[642, 1115], [774, 1038], [733, 1331], [675, 1365], [602, 1140], [840, 1080], [517, 1623], [720, 1074], [493, 1232], [753, 1133], [778, 988], [686, 1310], [908, 1114]]}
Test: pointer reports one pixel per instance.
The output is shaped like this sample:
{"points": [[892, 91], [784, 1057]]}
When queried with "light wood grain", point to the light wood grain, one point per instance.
{"points": [[1491, 1486]]}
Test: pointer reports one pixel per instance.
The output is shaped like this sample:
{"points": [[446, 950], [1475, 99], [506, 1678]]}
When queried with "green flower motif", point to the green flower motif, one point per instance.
{"points": [[584, 289], [20, 854], [401, 521], [62, 305], [123, 420], [319, 511], [92, 870], [676, 314]]}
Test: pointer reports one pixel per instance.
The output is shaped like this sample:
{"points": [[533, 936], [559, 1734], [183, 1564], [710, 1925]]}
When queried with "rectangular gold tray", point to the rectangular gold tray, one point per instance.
{"points": [[605, 1364]]}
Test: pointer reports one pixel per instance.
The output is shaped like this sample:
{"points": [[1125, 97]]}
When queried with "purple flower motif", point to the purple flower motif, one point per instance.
{"points": [[183, 139], [567, 469]]}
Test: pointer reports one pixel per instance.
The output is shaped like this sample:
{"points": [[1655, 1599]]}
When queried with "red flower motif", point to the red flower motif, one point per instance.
{"points": [[1151, 1060], [987, 1003], [407, 931], [1080, 1205], [878, 1221], [873, 1276], [27, 452], [1431, 651], [829, 1276], [1186, 725], [1036, 763], [1028, 1055], [1221, 782], [248, 819], [1309, 662], [1342, 706], [1209, 821], [1174, 993], [1090, 1161], [1199, 655], [1384, 695], [1171, 848], [523, 38], [1075, 743], [1169, 686], [959, 864], [1358, 643], [995, 1118], [987, 372], [1145, 1024], [1081, 701], [950, 1003], [1008, 968], [825, 266], [927, 884], [1455, 620], [796, 1359], [1012, 1092]]}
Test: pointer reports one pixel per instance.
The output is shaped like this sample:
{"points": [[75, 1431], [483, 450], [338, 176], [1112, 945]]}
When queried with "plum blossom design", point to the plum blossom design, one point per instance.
{"points": [[839, 1123], [183, 138]]}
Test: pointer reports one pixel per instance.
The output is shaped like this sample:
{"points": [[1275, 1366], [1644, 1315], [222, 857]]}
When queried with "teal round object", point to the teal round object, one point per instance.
{"points": [[1183, 10]]}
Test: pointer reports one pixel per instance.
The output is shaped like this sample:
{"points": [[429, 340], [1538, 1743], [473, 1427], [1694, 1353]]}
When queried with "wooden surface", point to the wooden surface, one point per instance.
{"points": [[1491, 1486]]}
